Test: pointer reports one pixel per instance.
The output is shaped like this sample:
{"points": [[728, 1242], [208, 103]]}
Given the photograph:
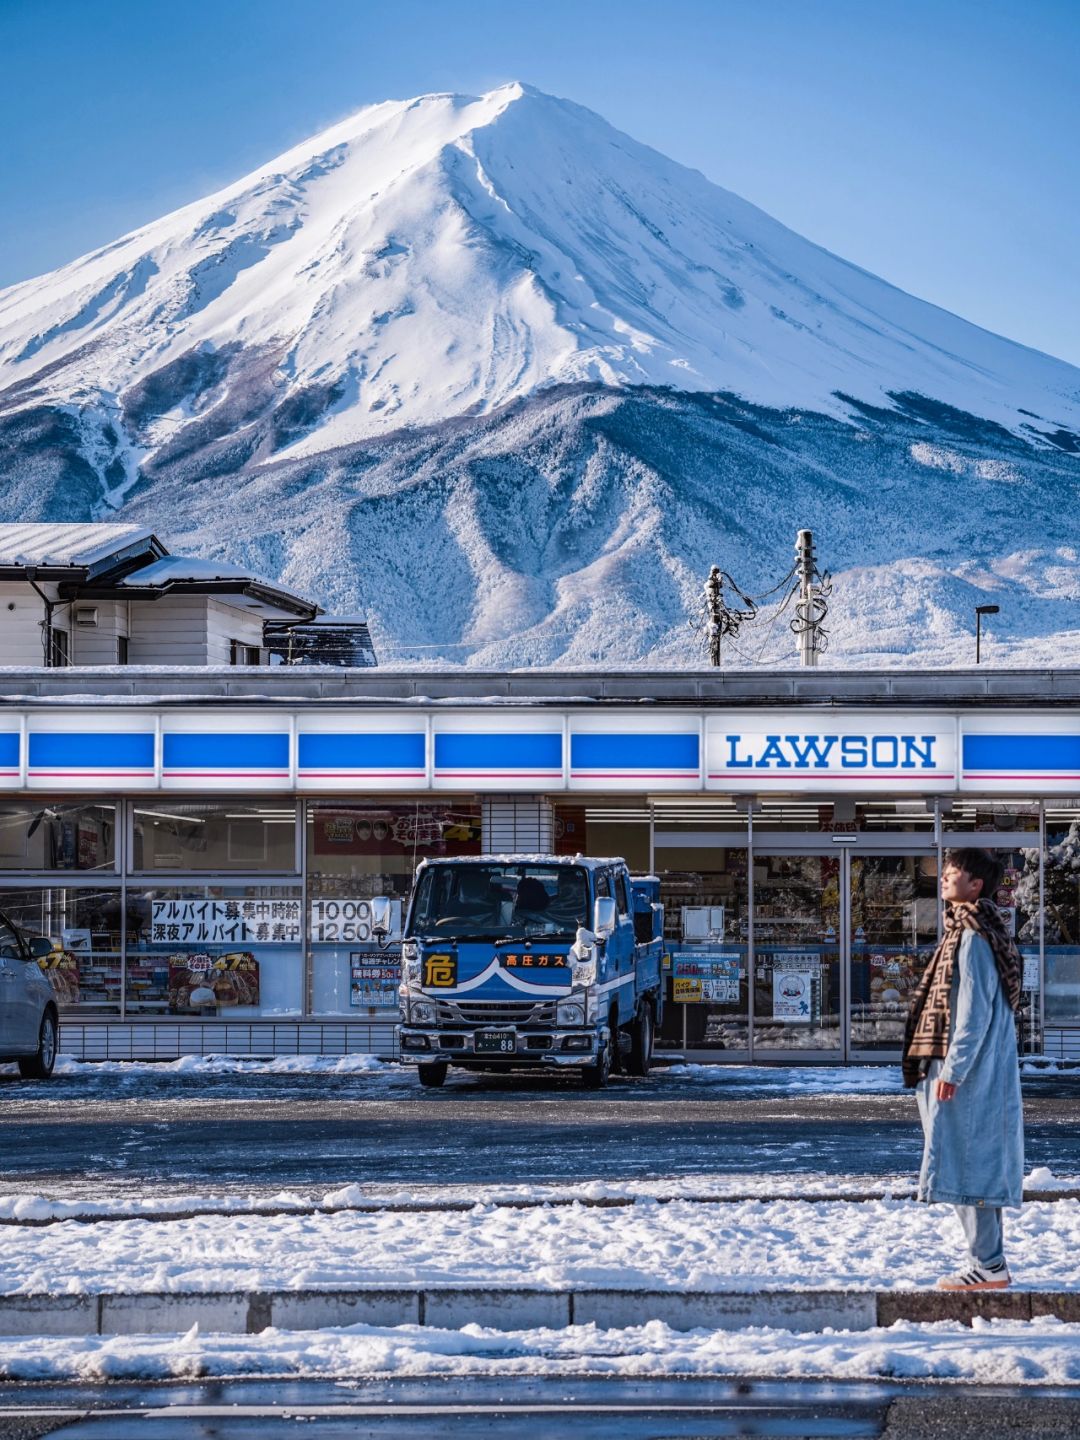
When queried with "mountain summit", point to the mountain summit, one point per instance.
{"points": [[366, 316], [442, 256]]}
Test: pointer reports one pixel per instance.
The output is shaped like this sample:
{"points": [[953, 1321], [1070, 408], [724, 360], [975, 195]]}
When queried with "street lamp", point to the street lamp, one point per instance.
{"points": [[980, 611]]}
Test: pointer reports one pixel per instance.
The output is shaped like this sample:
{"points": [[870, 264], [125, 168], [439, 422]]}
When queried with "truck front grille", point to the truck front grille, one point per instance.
{"points": [[510, 1012]]}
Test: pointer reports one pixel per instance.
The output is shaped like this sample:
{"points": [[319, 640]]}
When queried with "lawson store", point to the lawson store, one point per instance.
{"points": [[203, 862]]}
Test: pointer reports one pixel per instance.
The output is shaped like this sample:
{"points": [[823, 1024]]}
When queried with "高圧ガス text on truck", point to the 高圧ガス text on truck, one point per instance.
{"points": [[512, 961]]}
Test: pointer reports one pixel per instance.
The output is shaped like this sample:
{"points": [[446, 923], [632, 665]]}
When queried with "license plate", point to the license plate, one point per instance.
{"points": [[496, 1042]]}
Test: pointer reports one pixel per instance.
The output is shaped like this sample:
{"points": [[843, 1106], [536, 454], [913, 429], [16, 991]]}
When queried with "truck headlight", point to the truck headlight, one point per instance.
{"points": [[570, 1012], [422, 1012]]}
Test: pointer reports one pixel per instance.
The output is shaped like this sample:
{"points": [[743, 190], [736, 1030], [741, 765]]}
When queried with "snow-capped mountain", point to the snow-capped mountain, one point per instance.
{"points": [[499, 332]]}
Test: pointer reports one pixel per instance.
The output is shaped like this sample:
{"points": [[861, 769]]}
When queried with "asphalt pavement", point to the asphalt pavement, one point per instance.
{"points": [[115, 1133], [598, 1409]]}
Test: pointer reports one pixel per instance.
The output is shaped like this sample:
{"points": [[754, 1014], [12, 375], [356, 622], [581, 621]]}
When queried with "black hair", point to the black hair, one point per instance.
{"points": [[981, 865]]}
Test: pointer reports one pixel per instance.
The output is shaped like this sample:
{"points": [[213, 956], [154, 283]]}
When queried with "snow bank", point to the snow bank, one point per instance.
{"points": [[231, 1065], [737, 1245], [997, 1352]]}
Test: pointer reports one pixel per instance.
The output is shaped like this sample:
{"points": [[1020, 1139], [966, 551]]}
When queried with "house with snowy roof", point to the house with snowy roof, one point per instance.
{"points": [[112, 594]]}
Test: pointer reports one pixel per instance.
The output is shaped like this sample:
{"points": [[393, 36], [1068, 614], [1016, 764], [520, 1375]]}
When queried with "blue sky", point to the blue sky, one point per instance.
{"points": [[934, 142]]}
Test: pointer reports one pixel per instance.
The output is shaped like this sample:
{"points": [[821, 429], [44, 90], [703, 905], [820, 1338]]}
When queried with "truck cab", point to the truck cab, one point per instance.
{"points": [[530, 961]]}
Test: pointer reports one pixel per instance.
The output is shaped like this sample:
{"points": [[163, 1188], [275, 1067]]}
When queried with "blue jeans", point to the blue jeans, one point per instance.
{"points": [[983, 1233]]}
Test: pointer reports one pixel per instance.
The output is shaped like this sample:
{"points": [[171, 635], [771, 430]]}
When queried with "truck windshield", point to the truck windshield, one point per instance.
{"points": [[490, 902]]}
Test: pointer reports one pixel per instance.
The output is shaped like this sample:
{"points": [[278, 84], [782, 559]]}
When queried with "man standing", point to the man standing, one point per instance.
{"points": [[960, 1057]]}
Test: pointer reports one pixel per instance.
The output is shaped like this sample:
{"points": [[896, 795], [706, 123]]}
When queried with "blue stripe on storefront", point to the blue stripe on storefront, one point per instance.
{"points": [[609, 751], [91, 750], [356, 750], [9, 749], [225, 750], [1012, 754], [461, 750]]}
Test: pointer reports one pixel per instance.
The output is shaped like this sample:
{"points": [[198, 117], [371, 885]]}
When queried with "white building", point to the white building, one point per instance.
{"points": [[152, 822], [113, 595]]}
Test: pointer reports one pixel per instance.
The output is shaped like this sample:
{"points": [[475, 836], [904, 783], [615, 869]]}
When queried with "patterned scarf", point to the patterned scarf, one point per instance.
{"points": [[927, 1035]]}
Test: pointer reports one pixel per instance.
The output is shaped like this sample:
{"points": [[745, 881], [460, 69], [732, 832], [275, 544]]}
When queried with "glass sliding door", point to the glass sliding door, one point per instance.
{"points": [[704, 886], [892, 930], [798, 999]]}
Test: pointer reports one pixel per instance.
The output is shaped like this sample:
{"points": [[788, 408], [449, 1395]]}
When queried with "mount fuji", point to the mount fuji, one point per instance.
{"points": [[508, 382]]}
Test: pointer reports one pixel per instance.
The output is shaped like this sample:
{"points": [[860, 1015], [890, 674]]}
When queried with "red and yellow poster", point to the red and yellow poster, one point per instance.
{"points": [[62, 970], [209, 982]]}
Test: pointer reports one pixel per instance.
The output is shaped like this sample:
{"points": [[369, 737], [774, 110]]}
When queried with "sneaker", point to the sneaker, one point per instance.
{"points": [[978, 1277]]}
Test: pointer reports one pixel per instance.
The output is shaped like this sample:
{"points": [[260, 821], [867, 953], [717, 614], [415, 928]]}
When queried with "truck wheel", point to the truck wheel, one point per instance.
{"points": [[595, 1077], [641, 1041], [434, 1074], [40, 1066]]}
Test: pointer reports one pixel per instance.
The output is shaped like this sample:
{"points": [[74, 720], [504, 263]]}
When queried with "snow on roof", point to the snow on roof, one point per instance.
{"points": [[172, 568], [520, 857], [75, 544], [331, 620], [180, 569]]}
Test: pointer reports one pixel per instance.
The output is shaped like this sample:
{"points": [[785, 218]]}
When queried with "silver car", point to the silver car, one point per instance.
{"points": [[28, 1015]]}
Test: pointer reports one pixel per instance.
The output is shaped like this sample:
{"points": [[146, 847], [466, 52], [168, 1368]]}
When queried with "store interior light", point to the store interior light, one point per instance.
{"points": [[167, 815]]}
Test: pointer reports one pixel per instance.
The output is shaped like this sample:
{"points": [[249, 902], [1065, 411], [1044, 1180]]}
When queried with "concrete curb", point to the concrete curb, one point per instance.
{"points": [[434, 1207], [240, 1312]]}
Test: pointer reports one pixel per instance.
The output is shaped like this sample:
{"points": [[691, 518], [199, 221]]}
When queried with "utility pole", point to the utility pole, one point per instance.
{"points": [[806, 566], [713, 590]]}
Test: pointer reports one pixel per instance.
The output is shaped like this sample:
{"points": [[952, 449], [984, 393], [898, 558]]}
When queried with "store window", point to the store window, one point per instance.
{"points": [[786, 813], [797, 951], [232, 835], [1061, 915], [894, 930], [85, 927], [845, 813], [990, 816], [57, 835], [355, 852], [215, 951], [704, 890]]}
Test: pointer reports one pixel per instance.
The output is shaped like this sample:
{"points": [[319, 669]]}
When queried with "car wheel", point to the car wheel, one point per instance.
{"points": [[433, 1075], [40, 1066], [596, 1076], [641, 1041]]}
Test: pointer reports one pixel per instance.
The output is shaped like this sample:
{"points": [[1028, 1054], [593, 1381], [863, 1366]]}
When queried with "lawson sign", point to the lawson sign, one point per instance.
{"points": [[807, 750]]}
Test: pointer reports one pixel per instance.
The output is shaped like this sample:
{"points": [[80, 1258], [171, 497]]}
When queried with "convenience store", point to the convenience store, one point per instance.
{"points": [[203, 858]]}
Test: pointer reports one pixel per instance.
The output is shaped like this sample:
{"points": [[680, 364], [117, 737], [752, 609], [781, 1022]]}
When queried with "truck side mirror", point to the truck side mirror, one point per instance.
{"points": [[382, 916], [40, 947], [604, 917]]}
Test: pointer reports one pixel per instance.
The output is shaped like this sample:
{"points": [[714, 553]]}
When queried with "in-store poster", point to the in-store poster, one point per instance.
{"points": [[433, 829], [792, 996], [701, 977], [225, 922], [373, 978], [210, 982], [62, 969]]}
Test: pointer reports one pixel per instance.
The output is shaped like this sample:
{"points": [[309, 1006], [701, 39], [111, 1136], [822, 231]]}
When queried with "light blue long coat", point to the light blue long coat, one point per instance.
{"points": [[974, 1143]]}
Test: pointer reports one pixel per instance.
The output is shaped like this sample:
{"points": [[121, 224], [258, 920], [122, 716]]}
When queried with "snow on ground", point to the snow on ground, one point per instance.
{"points": [[999, 1352], [793, 1079], [233, 1065], [24, 1207], [737, 1245], [31, 1207]]}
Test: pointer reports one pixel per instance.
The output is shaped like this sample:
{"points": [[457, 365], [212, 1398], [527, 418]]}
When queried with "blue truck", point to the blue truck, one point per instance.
{"points": [[530, 961]]}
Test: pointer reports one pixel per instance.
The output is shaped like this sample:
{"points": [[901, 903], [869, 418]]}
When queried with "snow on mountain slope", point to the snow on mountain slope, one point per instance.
{"points": [[442, 256], [508, 382]]}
